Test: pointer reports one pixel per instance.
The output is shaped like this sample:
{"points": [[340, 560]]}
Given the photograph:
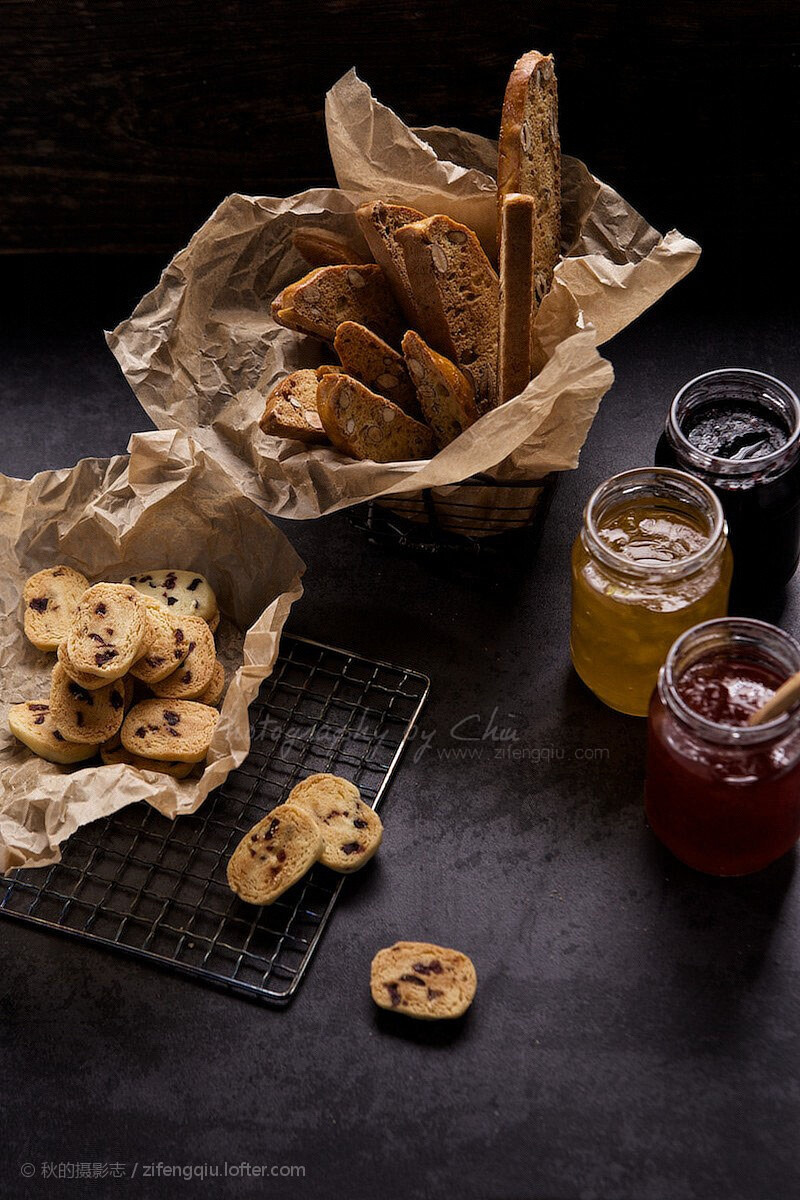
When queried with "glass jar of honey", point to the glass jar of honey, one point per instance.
{"points": [[723, 795], [739, 431], [651, 560]]}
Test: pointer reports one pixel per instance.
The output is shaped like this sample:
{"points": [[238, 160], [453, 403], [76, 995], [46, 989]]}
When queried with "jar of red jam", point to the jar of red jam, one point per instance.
{"points": [[723, 795], [739, 431]]}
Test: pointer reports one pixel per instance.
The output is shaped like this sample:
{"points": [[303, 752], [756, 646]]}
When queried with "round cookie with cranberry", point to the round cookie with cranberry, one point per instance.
{"points": [[51, 599], [184, 593], [107, 632], [351, 830]]}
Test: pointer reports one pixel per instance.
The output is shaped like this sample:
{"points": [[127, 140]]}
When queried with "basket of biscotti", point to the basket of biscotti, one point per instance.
{"points": [[425, 336]]}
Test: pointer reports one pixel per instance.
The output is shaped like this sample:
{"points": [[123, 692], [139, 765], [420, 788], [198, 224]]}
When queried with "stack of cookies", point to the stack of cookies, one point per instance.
{"points": [[428, 336], [136, 679]]}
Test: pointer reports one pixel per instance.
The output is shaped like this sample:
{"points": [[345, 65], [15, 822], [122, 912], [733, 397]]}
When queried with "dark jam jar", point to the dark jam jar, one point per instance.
{"points": [[739, 431], [722, 795]]}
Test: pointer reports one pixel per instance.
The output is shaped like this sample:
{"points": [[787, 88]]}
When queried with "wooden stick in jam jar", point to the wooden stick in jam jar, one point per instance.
{"points": [[785, 698]]}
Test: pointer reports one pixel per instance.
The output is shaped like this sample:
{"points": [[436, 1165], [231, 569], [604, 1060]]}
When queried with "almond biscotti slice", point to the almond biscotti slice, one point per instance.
{"points": [[325, 248], [274, 854], [351, 830], [445, 394], [457, 293], [379, 223], [291, 409], [367, 426], [422, 980], [517, 298], [321, 300], [369, 359], [529, 156]]}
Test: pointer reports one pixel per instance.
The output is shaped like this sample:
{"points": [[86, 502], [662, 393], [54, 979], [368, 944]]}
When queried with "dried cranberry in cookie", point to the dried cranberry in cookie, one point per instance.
{"points": [[107, 632], [196, 671], [51, 598], [170, 730], [351, 830], [166, 644], [32, 723], [274, 854], [184, 593], [421, 980], [82, 715]]}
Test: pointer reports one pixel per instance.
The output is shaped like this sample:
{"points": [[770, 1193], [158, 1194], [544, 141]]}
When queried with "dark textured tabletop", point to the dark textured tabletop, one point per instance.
{"points": [[635, 1031]]}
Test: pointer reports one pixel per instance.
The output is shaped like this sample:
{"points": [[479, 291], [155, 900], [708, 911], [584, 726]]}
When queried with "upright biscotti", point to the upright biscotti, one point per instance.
{"points": [[367, 426], [517, 299], [529, 156], [379, 223], [424, 981], [321, 300], [369, 359], [445, 394], [457, 294], [291, 409]]}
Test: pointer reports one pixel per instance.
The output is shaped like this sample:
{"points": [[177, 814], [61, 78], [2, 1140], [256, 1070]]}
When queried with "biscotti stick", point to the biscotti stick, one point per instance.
{"points": [[517, 299]]}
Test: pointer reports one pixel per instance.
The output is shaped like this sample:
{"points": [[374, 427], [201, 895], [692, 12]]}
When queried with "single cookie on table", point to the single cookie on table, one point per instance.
{"points": [[196, 671], [213, 693], [84, 716], [51, 598], [170, 730], [274, 854], [351, 830], [166, 644], [32, 723], [423, 981], [184, 593], [107, 630], [178, 770]]}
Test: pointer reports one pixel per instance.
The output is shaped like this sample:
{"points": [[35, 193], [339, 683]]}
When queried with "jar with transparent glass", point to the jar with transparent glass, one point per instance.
{"points": [[724, 795], [651, 560]]}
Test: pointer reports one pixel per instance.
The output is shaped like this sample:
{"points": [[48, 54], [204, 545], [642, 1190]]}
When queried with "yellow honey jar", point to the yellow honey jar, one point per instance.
{"points": [[651, 560]]}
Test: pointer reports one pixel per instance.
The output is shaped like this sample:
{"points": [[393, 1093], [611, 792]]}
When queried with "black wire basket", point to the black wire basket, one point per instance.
{"points": [[478, 517]]}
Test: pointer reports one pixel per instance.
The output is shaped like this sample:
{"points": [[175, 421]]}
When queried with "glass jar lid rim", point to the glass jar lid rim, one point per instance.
{"points": [[679, 568], [718, 730], [715, 462]]}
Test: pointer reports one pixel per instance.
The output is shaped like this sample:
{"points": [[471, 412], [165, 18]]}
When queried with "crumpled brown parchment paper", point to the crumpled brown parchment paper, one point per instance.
{"points": [[201, 351], [167, 504]]}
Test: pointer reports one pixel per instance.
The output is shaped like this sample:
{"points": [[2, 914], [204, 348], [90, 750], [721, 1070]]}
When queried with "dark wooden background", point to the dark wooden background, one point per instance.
{"points": [[126, 121]]}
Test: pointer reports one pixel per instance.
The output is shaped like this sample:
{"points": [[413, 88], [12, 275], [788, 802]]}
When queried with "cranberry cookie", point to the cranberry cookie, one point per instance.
{"points": [[351, 830], [84, 716], [107, 633], [196, 671], [423, 981], [33, 724], [274, 855], [51, 598], [166, 645], [170, 730], [184, 593]]}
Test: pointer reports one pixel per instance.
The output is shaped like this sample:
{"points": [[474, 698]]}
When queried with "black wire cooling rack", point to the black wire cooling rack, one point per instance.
{"points": [[156, 888]]}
